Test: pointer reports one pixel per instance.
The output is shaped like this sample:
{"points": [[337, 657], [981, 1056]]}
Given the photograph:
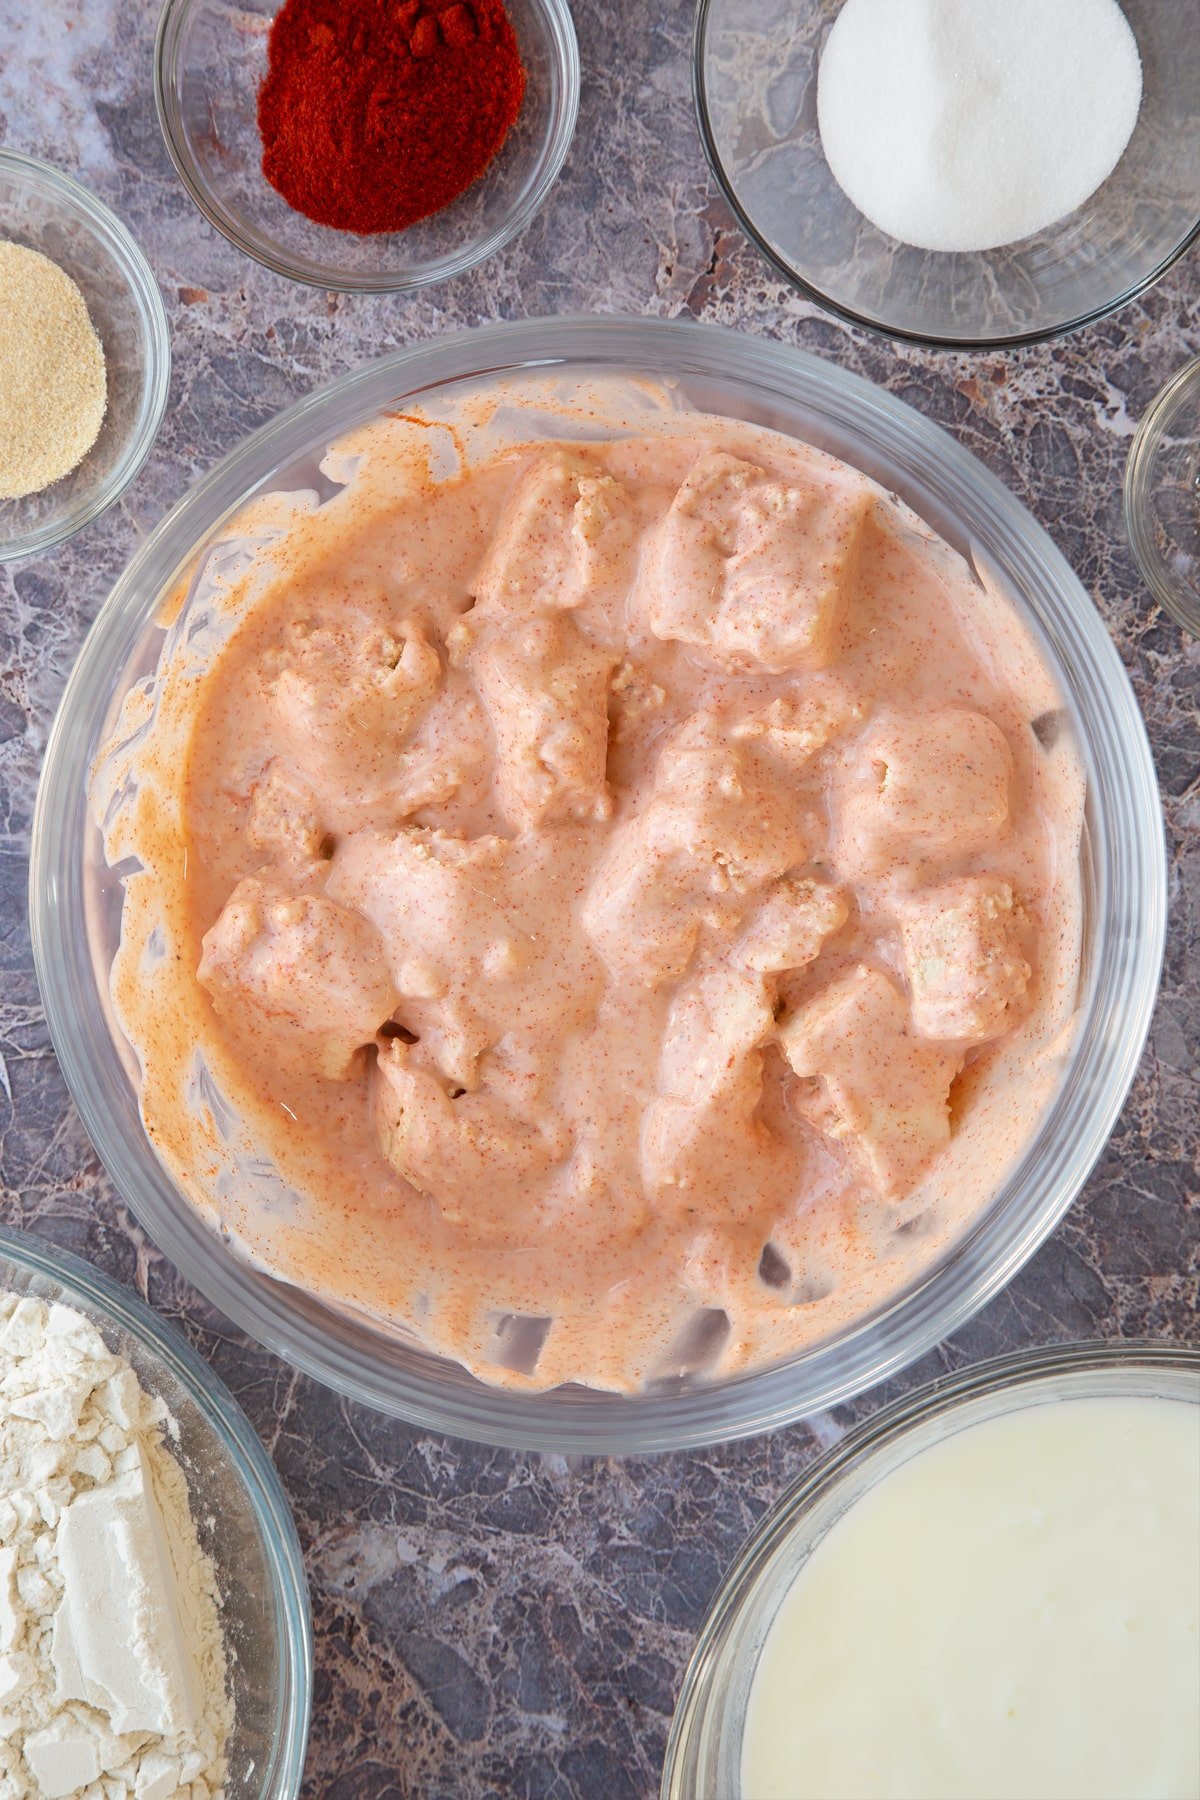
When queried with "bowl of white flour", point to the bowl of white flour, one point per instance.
{"points": [[155, 1636], [970, 173]]}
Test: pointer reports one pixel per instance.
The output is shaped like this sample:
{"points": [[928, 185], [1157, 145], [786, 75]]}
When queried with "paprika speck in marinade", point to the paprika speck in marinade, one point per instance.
{"points": [[377, 113]]}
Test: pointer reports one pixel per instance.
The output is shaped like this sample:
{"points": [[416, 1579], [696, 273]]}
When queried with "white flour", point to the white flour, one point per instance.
{"points": [[964, 124], [112, 1661]]}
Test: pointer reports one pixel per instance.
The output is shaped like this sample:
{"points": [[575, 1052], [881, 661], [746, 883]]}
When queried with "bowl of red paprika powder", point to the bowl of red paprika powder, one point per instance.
{"points": [[367, 145]]}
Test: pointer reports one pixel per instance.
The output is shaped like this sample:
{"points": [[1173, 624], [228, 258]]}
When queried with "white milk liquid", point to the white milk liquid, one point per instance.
{"points": [[1013, 1614]]}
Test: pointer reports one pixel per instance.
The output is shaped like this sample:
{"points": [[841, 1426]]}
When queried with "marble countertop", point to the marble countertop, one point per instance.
{"points": [[493, 1624]]}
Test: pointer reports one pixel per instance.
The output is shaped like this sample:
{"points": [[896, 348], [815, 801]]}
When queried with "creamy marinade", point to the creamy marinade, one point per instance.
{"points": [[608, 908]]}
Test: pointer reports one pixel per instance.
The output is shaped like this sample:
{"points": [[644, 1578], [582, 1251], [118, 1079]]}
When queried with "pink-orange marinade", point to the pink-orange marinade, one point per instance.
{"points": [[626, 892]]}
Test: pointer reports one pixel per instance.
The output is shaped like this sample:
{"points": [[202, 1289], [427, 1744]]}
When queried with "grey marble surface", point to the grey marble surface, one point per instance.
{"points": [[495, 1624]]}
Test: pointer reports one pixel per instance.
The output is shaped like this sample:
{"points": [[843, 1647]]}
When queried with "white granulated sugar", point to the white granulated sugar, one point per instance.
{"points": [[113, 1673], [965, 124]]}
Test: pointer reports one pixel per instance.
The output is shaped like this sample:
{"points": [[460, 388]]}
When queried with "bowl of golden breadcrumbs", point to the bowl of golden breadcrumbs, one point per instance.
{"points": [[85, 357]]}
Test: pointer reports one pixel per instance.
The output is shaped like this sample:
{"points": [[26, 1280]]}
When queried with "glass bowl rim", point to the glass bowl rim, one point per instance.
{"points": [[1010, 1372], [1039, 334], [98, 1293], [560, 25], [585, 1421], [140, 281], [1136, 493]]}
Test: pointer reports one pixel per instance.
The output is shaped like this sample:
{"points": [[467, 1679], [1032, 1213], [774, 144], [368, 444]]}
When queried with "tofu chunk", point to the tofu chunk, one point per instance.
{"points": [[477, 935], [754, 571], [710, 1082], [545, 688], [646, 908], [966, 975], [787, 580], [439, 905], [727, 808], [715, 1022], [791, 924], [565, 531], [795, 727], [284, 822], [714, 830], [877, 1086], [634, 700], [345, 699], [932, 785], [468, 1150], [307, 977]]}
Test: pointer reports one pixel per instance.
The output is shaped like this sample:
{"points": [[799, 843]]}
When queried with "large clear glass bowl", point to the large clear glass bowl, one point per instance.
{"points": [[238, 1505], [755, 78], [209, 62], [704, 1751], [75, 900]]}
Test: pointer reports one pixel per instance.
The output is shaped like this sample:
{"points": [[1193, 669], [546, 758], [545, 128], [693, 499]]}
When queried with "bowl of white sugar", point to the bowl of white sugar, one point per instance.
{"points": [[969, 173], [155, 1636]]}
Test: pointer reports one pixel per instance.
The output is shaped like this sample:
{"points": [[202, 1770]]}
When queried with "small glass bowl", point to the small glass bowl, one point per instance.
{"points": [[47, 211], [209, 63], [755, 79], [1162, 497], [704, 1751], [239, 1507]]}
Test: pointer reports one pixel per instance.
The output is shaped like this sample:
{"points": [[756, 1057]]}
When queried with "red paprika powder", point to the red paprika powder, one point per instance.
{"points": [[376, 113]]}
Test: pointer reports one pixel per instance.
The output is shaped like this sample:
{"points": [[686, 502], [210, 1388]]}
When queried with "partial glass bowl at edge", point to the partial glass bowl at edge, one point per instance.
{"points": [[1162, 497], [210, 59], [704, 1752], [755, 68], [1125, 881], [237, 1502]]}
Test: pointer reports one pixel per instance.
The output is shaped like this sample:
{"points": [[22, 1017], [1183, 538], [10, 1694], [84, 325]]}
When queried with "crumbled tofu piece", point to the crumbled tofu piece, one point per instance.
{"points": [[453, 1145], [451, 749], [751, 570], [793, 921], [878, 1085], [713, 832], [633, 700], [931, 783], [644, 913], [714, 1024], [12, 1622], [545, 688], [710, 1079], [284, 821], [966, 975], [716, 801], [795, 727], [345, 699], [16, 1674], [437, 901], [308, 975], [564, 523], [159, 1776]]}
